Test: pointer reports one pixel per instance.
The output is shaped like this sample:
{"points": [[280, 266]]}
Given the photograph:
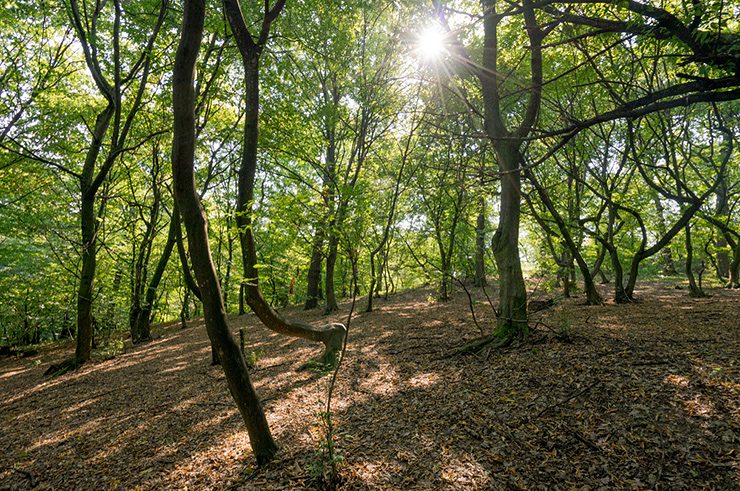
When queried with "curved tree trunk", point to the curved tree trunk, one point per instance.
{"points": [[592, 295], [183, 152], [669, 267], [331, 335]]}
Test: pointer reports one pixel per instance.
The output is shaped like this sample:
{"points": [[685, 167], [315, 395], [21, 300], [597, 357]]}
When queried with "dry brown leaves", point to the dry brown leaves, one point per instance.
{"points": [[643, 396]]}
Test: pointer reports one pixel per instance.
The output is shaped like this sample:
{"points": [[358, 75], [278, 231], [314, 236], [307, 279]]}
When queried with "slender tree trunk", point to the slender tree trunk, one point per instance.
{"points": [[723, 209], [331, 260], [89, 228], [229, 259], [694, 289], [480, 247], [183, 154], [139, 314], [597, 269], [331, 335], [669, 267], [592, 295], [143, 319]]}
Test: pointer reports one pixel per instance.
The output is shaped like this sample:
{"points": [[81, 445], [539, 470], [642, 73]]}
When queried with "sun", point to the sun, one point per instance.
{"points": [[431, 43]]}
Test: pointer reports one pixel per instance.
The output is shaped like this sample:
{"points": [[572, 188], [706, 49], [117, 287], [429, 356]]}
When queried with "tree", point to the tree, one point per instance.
{"points": [[251, 49], [183, 155], [92, 175]]}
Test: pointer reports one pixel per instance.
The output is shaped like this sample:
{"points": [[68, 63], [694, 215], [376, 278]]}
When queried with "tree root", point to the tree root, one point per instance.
{"points": [[492, 340], [68, 365]]}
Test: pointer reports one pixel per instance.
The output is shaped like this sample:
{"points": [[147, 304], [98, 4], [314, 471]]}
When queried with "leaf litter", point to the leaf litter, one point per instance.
{"points": [[638, 396]]}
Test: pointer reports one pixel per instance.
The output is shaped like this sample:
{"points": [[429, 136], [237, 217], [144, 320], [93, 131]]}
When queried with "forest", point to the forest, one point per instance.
{"points": [[370, 244]]}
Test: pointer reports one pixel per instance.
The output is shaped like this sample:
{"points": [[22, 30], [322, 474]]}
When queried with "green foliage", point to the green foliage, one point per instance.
{"points": [[335, 70], [111, 348]]}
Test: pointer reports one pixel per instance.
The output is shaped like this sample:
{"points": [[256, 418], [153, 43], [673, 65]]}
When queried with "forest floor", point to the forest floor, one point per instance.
{"points": [[639, 396]]}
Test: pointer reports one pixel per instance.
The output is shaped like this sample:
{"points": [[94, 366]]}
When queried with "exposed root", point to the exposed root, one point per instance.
{"points": [[492, 340], [58, 369]]}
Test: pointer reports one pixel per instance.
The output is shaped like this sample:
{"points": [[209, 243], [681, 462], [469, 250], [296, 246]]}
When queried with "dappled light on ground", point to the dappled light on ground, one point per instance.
{"points": [[642, 395]]}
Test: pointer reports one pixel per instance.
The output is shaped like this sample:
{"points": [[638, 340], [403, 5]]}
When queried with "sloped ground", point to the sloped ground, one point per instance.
{"points": [[641, 396]]}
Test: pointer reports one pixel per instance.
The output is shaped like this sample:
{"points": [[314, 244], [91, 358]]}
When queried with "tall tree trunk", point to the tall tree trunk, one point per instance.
{"points": [[89, 229], [331, 260], [183, 154], [138, 318], [229, 259], [723, 209], [592, 295], [313, 289], [512, 315], [143, 319]]}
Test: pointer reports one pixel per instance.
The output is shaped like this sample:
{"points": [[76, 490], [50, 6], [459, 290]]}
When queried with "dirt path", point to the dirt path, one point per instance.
{"points": [[642, 396]]}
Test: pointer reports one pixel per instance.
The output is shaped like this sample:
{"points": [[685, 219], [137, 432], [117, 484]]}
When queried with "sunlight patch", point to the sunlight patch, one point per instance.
{"points": [[424, 380], [699, 406], [678, 380]]}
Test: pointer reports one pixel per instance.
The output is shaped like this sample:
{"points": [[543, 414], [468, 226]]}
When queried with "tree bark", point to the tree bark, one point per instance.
{"points": [[669, 267], [89, 229], [143, 319], [331, 260], [183, 153], [313, 289], [723, 209], [592, 295], [512, 315]]}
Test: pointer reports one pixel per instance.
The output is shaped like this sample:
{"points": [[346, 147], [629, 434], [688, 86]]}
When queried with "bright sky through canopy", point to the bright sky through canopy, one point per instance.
{"points": [[430, 43]]}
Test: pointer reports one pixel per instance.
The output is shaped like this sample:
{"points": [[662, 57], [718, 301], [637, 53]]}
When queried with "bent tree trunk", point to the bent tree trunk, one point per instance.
{"points": [[331, 335], [592, 295], [669, 267], [183, 153]]}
